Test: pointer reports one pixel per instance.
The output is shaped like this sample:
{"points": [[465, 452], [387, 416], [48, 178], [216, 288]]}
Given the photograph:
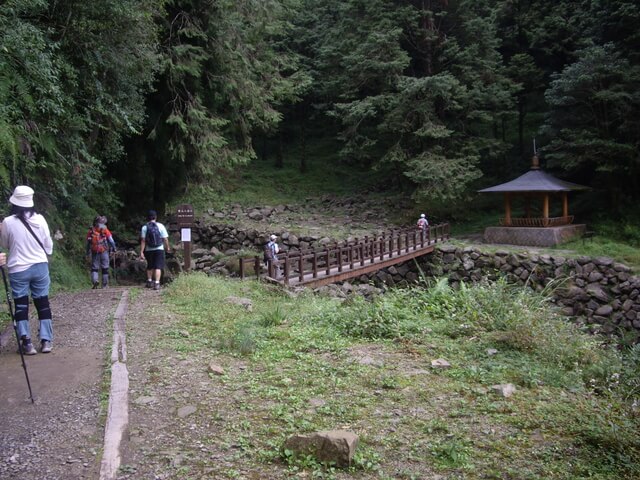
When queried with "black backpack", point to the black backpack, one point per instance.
{"points": [[153, 238], [268, 252]]}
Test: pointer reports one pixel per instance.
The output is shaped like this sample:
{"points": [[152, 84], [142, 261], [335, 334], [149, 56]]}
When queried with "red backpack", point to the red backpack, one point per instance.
{"points": [[98, 238]]}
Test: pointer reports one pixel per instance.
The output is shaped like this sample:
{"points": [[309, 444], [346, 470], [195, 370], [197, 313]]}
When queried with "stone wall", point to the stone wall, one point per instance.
{"points": [[598, 292]]}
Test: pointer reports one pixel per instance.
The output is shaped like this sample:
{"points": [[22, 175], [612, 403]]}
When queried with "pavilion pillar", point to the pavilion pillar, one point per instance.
{"points": [[545, 209], [565, 204], [507, 208], [527, 205]]}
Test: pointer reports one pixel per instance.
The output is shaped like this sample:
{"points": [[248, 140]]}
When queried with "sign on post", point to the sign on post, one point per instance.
{"points": [[185, 219]]}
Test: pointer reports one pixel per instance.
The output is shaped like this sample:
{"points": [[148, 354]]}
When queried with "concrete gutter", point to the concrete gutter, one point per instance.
{"points": [[118, 411]]}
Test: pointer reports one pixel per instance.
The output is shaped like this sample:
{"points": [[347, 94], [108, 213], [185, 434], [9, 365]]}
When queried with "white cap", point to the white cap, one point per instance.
{"points": [[422, 215], [22, 196], [273, 237]]}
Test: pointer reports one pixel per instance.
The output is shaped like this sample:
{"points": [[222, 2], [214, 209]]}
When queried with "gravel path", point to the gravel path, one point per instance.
{"points": [[61, 435]]}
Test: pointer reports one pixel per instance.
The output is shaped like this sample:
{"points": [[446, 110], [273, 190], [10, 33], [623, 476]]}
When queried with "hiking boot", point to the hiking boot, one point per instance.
{"points": [[156, 286], [28, 348], [149, 283], [45, 346], [95, 285]]}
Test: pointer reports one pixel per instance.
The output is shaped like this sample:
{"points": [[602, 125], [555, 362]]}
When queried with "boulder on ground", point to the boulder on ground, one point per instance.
{"points": [[243, 302], [332, 446], [504, 389]]}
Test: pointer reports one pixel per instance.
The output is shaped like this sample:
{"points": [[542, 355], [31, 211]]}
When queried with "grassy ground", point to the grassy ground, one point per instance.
{"points": [[603, 246], [310, 363]]}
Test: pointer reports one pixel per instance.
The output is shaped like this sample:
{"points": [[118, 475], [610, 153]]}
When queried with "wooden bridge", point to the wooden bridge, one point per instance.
{"points": [[345, 260]]}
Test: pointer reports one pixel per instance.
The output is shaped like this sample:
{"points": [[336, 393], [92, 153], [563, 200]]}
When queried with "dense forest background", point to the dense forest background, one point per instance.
{"points": [[118, 105]]}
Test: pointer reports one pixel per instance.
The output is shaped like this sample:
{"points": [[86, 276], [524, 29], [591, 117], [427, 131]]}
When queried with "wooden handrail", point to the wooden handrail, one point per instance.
{"points": [[348, 255]]}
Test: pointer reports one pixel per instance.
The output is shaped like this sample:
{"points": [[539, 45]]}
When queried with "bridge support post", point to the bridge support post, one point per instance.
{"points": [[315, 265], [256, 267], [328, 262], [300, 269], [286, 270]]}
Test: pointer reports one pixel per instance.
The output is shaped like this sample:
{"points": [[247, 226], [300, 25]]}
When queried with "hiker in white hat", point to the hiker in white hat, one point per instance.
{"points": [[423, 224], [271, 251], [25, 234]]}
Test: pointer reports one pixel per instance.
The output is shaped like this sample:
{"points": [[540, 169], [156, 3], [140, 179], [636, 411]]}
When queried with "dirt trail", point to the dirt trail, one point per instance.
{"points": [[60, 436]]}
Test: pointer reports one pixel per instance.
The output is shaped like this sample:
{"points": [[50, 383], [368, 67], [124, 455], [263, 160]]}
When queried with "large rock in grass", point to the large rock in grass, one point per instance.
{"points": [[331, 446]]}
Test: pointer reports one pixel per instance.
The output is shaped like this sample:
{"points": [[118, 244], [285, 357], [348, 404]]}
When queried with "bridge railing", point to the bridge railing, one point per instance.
{"points": [[345, 256]]}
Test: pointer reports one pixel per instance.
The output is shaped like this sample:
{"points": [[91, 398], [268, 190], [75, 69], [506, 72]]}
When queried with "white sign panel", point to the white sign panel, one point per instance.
{"points": [[185, 233]]}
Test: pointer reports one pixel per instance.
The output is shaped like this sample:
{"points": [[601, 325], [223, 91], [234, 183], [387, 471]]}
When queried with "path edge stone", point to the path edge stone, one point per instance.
{"points": [[118, 410]]}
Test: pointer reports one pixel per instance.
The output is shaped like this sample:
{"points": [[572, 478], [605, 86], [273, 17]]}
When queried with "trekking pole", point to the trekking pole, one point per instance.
{"points": [[15, 329], [113, 256]]}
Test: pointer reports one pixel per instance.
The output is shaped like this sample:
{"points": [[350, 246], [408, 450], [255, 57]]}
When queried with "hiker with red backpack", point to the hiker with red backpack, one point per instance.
{"points": [[99, 244], [154, 241], [423, 225]]}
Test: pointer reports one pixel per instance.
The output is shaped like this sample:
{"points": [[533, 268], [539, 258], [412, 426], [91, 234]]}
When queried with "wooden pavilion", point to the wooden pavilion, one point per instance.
{"points": [[540, 187]]}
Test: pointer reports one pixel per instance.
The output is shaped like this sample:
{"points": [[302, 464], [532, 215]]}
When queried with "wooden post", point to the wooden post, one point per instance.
{"points": [[187, 253], [399, 238], [315, 265], [565, 204], [507, 209], [373, 250], [185, 219], [362, 254], [340, 259], [350, 257], [383, 242], [241, 268], [328, 262], [545, 209], [365, 249], [300, 268], [256, 266], [286, 270]]}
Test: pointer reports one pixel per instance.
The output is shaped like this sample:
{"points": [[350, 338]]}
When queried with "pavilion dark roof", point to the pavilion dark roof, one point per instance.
{"points": [[535, 181]]}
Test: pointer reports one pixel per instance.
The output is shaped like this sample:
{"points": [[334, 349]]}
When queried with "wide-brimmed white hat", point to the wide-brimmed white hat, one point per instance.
{"points": [[22, 196], [422, 215], [273, 237]]}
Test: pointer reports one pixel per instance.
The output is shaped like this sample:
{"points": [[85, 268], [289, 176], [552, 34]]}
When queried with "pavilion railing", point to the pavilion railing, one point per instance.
{"points": [[537, 221]]}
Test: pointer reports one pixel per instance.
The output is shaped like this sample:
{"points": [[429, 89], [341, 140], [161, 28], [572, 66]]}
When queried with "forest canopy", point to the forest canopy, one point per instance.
{"points": [[102, 102]]}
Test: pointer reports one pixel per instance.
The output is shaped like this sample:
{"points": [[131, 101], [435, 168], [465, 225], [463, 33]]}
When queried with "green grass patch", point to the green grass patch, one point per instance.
{"points": [[314, 363], [603, 246]]}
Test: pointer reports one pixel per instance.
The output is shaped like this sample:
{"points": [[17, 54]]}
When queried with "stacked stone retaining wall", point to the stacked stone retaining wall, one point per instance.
{"points": [[596, 291]]}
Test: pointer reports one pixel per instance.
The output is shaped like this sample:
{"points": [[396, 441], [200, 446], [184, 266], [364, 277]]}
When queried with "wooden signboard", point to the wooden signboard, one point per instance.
{"points": [[185, 219]]}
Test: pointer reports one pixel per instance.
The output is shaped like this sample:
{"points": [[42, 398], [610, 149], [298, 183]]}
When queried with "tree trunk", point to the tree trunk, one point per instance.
{"points": [[303, 140], [279, 155]]}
